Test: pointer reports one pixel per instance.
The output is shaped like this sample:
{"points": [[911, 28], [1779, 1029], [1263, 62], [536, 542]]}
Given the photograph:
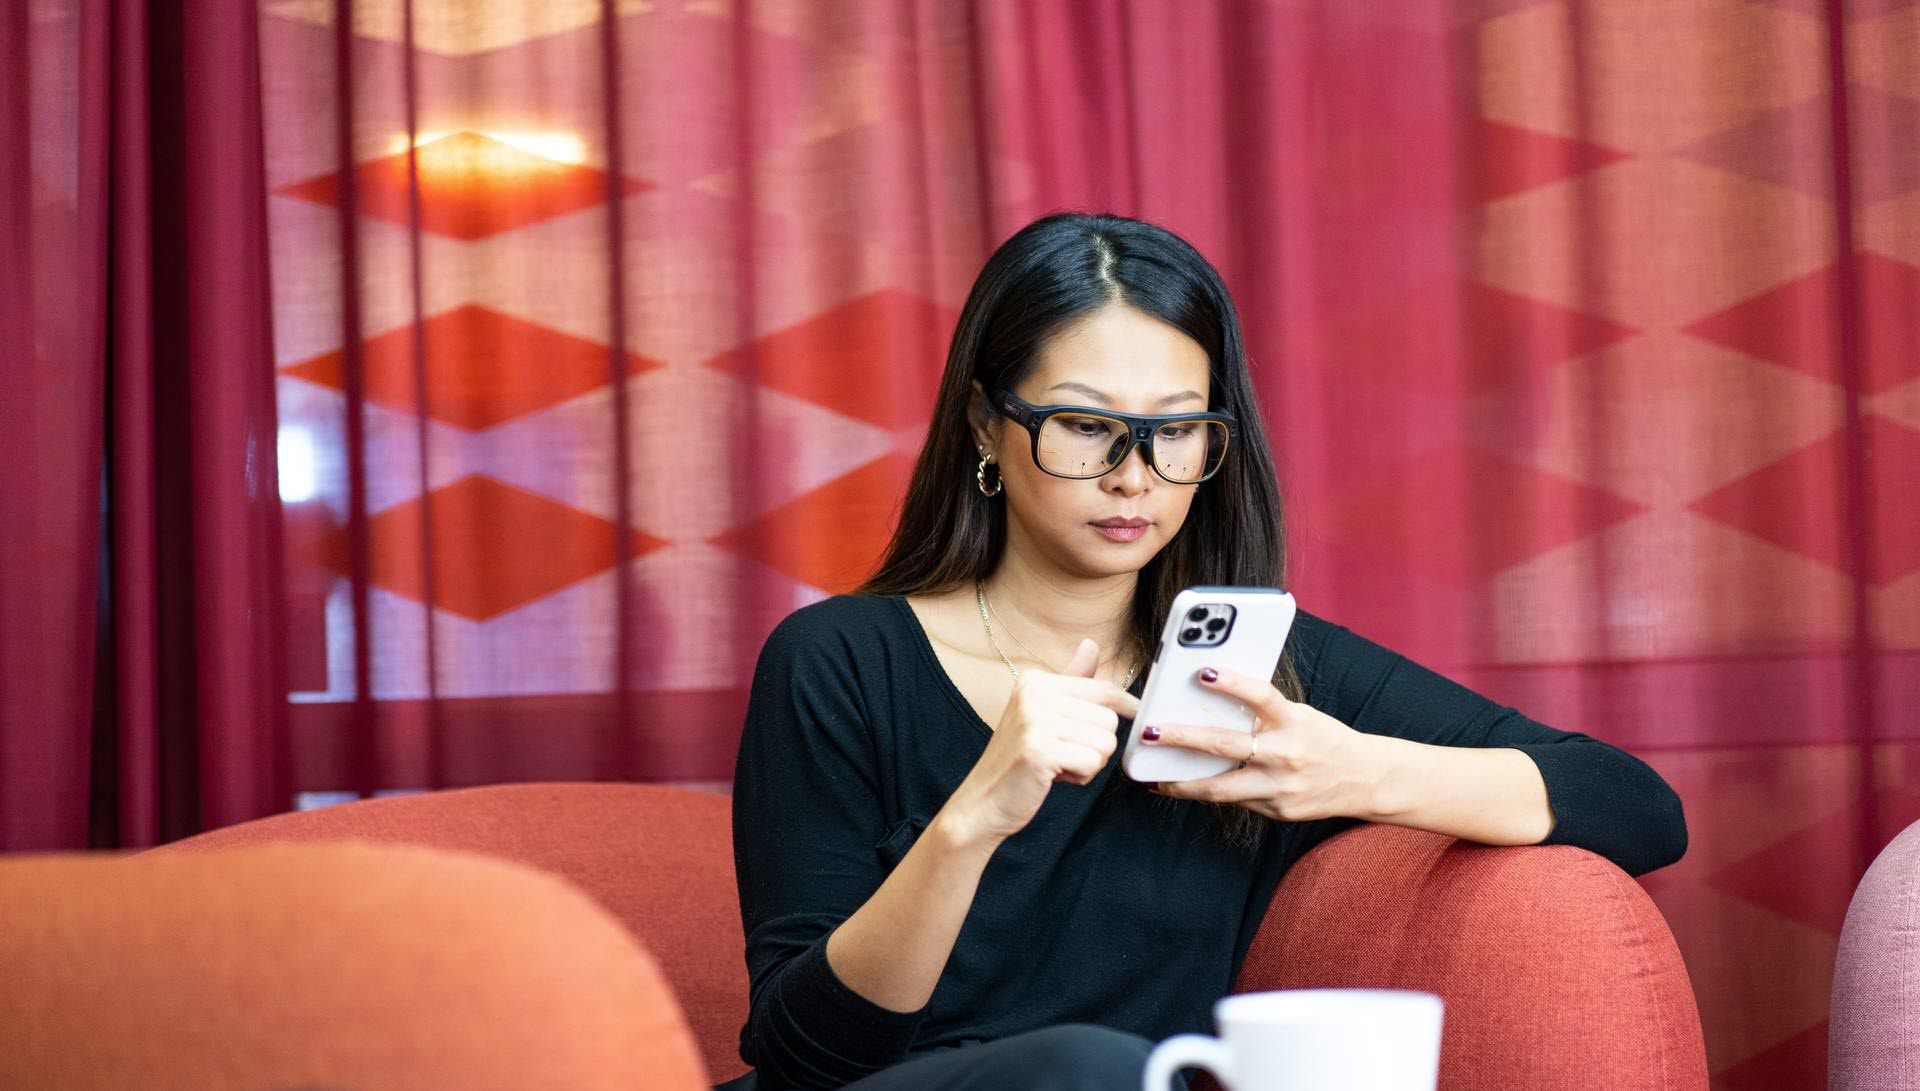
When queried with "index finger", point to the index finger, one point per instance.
{"points": [[1101, 692]]}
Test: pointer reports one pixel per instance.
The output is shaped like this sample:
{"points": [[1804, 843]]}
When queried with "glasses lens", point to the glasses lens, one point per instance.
{"points": [[1080, 445], [1088, 445], [1189, 450]]}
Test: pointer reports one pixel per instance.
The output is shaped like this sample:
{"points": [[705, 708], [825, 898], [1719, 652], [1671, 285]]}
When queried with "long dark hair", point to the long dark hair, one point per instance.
{"points": [[1050, 273]]}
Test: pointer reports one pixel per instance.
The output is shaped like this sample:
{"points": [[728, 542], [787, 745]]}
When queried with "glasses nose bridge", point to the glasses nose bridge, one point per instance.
{"points": [[1139, 438]]}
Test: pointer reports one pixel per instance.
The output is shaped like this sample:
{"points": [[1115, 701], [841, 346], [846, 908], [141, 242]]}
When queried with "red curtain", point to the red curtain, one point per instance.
{"points": [[603, 332], [142, 664]]}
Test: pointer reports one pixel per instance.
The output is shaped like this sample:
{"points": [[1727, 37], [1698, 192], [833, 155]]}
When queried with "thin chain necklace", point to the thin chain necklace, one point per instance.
{"points": [[1005, 628], [980, 600]]}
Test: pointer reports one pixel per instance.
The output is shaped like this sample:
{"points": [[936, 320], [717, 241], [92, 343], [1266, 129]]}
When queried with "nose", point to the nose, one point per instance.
{"points": [[1134, 475]]}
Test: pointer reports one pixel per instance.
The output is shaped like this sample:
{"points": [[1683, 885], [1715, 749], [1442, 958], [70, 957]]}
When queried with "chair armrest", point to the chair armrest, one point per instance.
{"points": [[660, 859], [1876, 975], [1556, 968], [324, 965]]}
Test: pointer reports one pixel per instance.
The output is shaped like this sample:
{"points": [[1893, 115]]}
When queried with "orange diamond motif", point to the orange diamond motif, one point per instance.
{"points": [[1798, 502], [471, 186], [876, 359], [1809, 875], [1795, 325], [495, 547], [1800, 1061], [1427, 514], [482, 367], [1793, 146], [1513, 159], [1504, 338], [832, 537]]}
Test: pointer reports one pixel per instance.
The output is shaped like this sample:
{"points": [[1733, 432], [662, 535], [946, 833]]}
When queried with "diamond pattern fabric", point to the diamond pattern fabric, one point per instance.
{"points": [[1576, 391], [480, 368], [471, 185]]}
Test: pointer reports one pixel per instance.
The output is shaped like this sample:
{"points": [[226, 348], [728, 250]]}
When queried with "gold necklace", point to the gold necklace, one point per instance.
{"points": [[980, 600], [1031, 654]]}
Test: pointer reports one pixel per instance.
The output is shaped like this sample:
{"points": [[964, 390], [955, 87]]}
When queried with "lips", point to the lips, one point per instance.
{"points": [[1116, 529]]}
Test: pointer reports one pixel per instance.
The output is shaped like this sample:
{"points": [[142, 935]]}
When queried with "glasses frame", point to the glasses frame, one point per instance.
{"points": [[1139, 431]]}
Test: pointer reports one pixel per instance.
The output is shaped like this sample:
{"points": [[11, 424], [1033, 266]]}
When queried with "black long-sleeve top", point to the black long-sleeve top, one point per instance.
{"points": [[1114, 906]]}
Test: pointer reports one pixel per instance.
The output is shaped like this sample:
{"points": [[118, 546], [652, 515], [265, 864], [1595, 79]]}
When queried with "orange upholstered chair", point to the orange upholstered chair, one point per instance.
{"points": [[323, 966], [659, 859], [1557, 969]]}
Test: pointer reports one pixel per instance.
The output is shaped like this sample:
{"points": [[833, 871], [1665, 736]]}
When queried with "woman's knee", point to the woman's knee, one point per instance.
{"points": [[1083, 1057]]}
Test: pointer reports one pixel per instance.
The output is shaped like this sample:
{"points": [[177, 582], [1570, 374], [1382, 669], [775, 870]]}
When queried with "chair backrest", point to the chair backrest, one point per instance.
{"points": [[1873, 1036], [323, 966], [659, 859], [1556, 967]]}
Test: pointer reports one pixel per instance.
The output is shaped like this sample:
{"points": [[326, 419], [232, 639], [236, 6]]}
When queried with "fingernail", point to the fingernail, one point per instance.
{"points": [[1208, 674], [1151, 734]]}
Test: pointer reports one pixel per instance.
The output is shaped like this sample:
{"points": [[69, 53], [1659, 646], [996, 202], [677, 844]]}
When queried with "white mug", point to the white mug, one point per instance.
{"points": [[1312, 1040]]}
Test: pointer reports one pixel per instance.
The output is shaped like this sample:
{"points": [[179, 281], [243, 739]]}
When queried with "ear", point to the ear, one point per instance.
{"points": [[982, 420]]}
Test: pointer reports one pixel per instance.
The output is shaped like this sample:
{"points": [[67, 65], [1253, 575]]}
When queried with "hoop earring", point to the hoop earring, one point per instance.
{"points": [[980, 478]]}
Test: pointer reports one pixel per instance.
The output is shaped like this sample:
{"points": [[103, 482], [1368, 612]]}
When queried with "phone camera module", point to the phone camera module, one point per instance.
{"points": [[1206, 625]]}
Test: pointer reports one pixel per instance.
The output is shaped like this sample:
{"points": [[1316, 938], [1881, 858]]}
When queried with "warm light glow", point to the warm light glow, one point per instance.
{"points": [[299, 466], [558, 147]]}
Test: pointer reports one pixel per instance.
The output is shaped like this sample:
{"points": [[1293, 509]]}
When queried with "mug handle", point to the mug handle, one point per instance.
{"points": [[1186, 1051]]}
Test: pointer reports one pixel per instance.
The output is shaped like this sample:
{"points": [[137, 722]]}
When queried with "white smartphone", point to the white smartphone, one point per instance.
{"points": [[1241, 629]]}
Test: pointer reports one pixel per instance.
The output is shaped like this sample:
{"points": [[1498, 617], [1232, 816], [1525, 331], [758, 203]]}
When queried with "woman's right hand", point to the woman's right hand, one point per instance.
{"points": [[1056, 727]]}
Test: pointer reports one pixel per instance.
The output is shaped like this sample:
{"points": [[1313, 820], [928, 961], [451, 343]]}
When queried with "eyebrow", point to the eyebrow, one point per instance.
{"points": [[1102, 398]]}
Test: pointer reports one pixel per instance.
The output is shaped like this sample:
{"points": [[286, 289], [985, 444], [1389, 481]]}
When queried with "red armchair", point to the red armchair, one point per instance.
{"points": [[1557, 969]]}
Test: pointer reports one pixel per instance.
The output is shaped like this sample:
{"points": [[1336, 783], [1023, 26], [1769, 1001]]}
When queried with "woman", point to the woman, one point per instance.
{"points": [[945, 879]]}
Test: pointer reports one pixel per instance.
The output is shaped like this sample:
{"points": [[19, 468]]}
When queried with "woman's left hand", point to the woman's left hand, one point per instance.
{"points": [[1299, 764]]}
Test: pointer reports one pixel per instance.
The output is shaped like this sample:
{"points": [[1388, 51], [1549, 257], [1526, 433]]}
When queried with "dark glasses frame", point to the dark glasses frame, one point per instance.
{"points": [[1139, 431]]}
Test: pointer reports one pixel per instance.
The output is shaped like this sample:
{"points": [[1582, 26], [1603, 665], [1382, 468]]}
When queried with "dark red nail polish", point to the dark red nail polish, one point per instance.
{"points": [[1208, 674], [1150, 734]]}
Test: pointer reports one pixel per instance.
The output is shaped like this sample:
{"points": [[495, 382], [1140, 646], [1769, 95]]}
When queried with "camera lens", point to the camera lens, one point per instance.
{"points": [[1214, 625], [1190, 634], [1196, 613]]}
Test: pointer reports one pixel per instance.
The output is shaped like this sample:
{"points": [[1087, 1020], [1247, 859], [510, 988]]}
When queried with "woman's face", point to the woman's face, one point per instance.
{"points": [[1117, 358]]}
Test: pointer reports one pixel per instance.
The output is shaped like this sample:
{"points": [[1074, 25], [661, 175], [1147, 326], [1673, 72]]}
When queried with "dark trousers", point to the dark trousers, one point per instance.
{"points": [[1069, 1057]]}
